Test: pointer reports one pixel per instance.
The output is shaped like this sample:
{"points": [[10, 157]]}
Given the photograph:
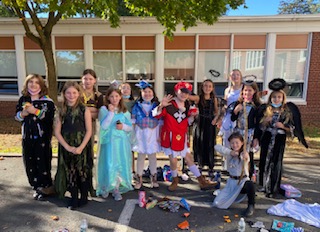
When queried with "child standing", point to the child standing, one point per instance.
{"points": [[204, 137], [36, 112], [238, 183], [177, 116], [278, 119], [114, 162], [127, 96], [245, 116], [147, 132], [93, 100], [73, 130]]}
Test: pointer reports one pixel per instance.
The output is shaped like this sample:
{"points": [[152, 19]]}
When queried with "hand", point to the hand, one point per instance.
{"points": [[245, 156], [24, 113], [279, 125], [111, 107], [31, 109], [234, 153], [238, 108], [194, 112], [166, 101], [267, 119], [255, 143], [119, 126], [77, 150], [214, 122], [70, 148]]}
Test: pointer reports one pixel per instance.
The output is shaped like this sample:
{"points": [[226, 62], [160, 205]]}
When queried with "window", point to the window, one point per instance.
{"points": [[211, 64], [178, 66], [70, 65], [107, 65], [140, 65], [289, 66], [35, 63], [8, 74], [255, 60]]}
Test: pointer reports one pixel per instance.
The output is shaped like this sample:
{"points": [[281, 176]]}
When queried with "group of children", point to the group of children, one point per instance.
{"points": [[147, 126]]}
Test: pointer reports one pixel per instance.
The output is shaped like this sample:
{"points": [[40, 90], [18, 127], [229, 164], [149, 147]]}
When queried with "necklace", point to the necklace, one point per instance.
{"points": [[86, 98]]}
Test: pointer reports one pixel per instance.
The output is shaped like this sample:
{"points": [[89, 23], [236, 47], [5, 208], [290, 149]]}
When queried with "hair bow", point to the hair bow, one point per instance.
{"points": [[143, 84]]}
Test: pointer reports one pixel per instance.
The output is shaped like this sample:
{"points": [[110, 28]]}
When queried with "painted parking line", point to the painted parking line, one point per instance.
{"points": [[125, 216]]}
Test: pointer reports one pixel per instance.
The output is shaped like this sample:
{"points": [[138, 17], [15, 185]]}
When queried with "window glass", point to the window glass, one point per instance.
{"points": [[69, 64], [35, 63], [290, 65], [179, 65], [211, 64], [108, 65], [250, 62], [8, 73], [140, 65]]}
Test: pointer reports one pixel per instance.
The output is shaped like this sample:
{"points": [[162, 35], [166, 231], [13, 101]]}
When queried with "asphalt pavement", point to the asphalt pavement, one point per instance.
{"points": [[19, 212]]}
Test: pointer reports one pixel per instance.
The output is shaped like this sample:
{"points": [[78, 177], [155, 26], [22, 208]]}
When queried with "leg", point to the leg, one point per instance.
{"points": [[140, 165], [84, 188], [174, 172], [204, 184], [153, 170], [249, 189]]}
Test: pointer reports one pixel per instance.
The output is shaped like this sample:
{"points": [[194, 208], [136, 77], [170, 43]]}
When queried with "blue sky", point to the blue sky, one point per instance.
{"points": [[257, 7]]}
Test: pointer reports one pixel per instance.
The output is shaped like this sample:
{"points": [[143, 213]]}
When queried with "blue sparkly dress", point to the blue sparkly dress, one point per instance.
{"points": [[114, 162]]}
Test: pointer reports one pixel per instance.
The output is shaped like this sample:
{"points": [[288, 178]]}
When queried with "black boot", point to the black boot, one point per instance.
{"points": [[73, 203], [84, 188], [249, 211]]}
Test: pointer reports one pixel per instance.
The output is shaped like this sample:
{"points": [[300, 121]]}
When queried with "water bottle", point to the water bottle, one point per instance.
{"points": [[241, 225], [83, 225]]}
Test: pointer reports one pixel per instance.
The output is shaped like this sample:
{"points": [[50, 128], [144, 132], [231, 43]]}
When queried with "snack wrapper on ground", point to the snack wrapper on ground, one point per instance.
{"points": [[184, 225], [185, 204]]}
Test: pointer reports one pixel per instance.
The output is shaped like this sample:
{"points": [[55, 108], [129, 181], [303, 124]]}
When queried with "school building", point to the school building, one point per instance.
{"points": [[285, 46]]}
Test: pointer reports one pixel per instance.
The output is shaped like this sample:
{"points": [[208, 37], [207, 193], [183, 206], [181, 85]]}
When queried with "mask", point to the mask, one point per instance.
{"points": [[32, 93], [126, 96], [276, 105]]}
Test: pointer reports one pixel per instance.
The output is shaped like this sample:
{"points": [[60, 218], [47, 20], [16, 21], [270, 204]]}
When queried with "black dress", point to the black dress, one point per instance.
{"points": [[204, 136], [36, 140]]}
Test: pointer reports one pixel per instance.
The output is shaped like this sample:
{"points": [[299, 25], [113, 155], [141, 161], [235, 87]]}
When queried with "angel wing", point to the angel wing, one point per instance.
{"points": [[296, 116]]}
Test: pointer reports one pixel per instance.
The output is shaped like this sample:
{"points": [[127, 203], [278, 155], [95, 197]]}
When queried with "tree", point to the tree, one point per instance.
{"points": [[299, 7], [169, 13]]}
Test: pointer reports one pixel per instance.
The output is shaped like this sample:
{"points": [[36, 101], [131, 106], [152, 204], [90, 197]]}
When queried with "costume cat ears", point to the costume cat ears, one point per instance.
{"points": [[249, 79], [277, 84], [143, 84]]}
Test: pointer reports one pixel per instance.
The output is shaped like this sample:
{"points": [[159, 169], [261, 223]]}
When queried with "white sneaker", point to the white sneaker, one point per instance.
{"points": [[154, 182], [105, 195]]}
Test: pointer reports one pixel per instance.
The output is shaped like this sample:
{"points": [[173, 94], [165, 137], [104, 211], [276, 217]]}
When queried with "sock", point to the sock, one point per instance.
{"points": [[174, 173], [194, 169]]}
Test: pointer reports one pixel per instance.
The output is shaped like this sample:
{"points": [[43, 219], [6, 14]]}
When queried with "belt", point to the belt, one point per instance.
{"points": [[237, 177]]}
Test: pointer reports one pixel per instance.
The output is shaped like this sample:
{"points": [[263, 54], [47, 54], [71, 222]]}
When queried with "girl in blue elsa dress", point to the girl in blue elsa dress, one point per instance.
{"points": [[114, 161]]}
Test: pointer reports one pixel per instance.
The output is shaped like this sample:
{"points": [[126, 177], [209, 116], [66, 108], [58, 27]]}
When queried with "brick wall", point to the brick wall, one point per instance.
{"points": [[8, 108], [311, 112]]}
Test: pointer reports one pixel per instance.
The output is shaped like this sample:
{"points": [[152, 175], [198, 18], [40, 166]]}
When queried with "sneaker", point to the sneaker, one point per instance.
{"points": [[154, 182], [117, 196], [35, 195], [105, 195]]}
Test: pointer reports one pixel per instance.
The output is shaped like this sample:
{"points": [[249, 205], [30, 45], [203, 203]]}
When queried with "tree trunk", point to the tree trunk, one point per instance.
{"points": [[50, 70]]}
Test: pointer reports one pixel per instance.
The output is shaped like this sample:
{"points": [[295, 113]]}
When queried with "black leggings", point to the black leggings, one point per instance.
{"points": [[249, 189]]}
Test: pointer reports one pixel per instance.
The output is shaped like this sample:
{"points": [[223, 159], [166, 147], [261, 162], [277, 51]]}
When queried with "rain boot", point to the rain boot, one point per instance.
{"points": [[249, 211], [205, 184], [174, 184]]}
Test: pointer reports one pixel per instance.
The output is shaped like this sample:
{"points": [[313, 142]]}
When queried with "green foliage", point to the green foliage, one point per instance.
{"points": [[299, 7]]}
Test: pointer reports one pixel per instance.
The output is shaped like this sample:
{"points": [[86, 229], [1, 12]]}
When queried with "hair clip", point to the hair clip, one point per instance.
{"points": [[249, 79], [277, 84], [214, 73], [143, 84]]}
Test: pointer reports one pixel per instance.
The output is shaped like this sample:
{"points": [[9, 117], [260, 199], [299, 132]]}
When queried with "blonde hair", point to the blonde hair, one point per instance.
{"points": [[43, 87]]}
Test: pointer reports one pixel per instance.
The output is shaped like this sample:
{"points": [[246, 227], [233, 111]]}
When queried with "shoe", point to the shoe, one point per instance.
{"points": [[105, 195], [154, 182], [261, 190], [269, 195], [174, 184], [35, 195], [40, 197], [47, 190], [138, 183], [249, 211], [205, 184], [117, 196]]}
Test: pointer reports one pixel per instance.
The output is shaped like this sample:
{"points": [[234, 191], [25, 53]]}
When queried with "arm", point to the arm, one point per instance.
{"points": [[216, 112], [105, 117], [57, 133], [224, 151], [194, 98], [126, 126], [166, 101], [235, 113], [87, 136], [94, 112]]}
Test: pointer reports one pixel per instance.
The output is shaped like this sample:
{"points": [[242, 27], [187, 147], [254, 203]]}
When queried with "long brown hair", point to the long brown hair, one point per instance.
{"points": [[122, 107], [201, 94], [255, 99], [43, 87], [66, 86], [92, 73]]}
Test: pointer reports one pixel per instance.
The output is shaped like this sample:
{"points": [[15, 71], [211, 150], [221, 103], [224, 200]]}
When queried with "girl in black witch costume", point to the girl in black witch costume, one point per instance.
{"points": [[73, 130], [36, 112], [246, 108], [277, 118]]}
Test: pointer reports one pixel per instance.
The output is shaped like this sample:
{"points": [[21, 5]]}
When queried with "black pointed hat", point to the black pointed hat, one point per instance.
{"points": [[277, 84]]}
